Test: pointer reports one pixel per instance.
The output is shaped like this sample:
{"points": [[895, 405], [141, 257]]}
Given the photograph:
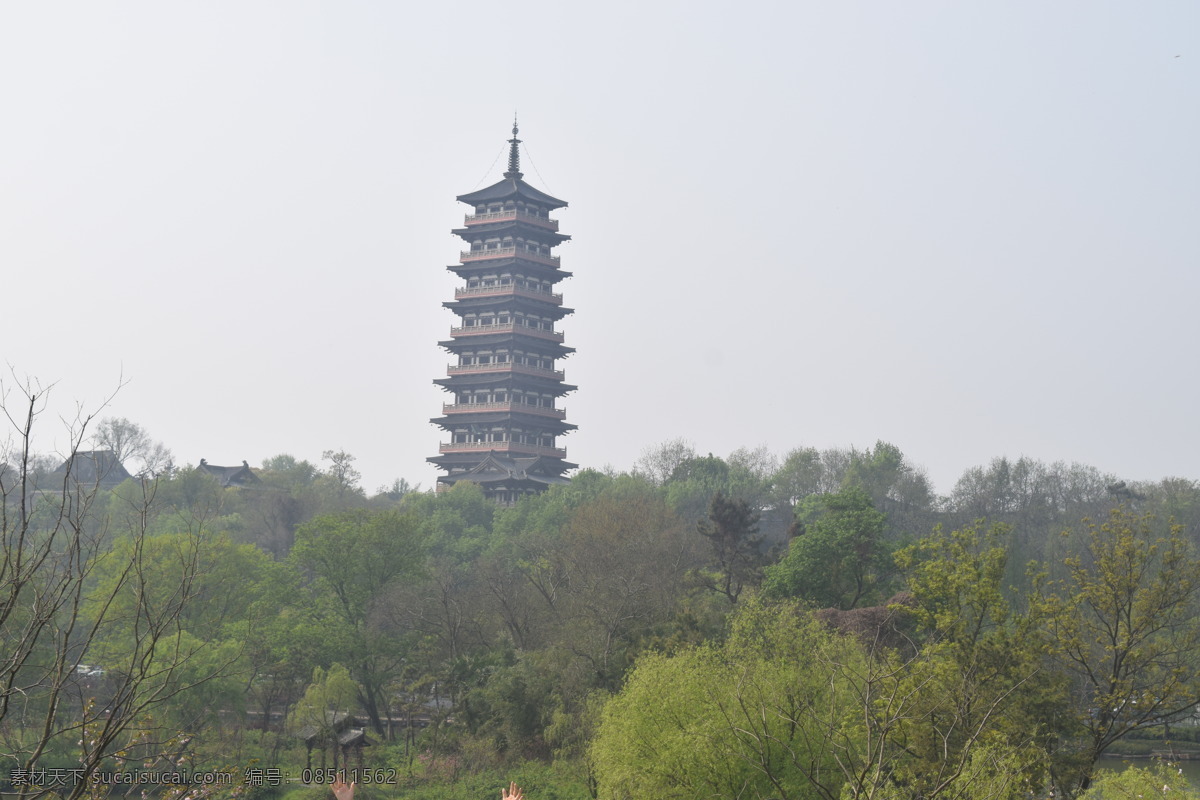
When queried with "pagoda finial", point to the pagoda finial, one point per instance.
{"points": [[514, 155]]}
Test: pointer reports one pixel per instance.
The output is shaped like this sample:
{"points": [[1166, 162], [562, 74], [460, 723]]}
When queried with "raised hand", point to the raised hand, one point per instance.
{"points": [[342, 790]]}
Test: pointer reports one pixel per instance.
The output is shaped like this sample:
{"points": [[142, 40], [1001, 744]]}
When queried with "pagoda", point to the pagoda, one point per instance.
{"points": [[503, 418]]}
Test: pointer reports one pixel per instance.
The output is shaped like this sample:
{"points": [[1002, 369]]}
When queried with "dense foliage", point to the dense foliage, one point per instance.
{"points": [[816, 626]]}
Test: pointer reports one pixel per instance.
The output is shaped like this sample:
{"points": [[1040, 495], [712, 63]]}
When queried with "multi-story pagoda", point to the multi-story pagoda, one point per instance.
{"points": [[503, 418]]}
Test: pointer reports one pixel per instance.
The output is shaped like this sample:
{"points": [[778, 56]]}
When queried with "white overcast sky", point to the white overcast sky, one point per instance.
{"points": [[971, 229]]}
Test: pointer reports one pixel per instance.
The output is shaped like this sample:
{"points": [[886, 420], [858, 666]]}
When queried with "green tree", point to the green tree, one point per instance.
{"points": [[839, 558], [732, 533], [752, 718], [953, 708], [885, 474], [1123, 622], [801, 474], [1135, 783], [352, 557], [332, 694], [195, 594]]}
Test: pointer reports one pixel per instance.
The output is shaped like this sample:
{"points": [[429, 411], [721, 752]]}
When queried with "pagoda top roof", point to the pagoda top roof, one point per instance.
{"points": [[512, 186]]}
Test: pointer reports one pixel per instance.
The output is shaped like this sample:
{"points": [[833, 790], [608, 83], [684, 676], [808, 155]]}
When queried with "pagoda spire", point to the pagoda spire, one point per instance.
{"points": [[514, 155]]}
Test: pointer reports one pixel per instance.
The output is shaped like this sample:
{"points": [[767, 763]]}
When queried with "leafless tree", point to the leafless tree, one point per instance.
{"points": [[132, 446], [343, 473], [659, 461], [53, 610]]}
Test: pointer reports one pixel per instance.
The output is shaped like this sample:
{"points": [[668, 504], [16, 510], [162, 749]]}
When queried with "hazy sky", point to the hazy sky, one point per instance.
{"points": [[970, 229]]}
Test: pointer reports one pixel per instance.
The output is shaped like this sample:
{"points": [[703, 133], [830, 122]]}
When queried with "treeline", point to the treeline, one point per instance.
{"points": [[820, 625]]}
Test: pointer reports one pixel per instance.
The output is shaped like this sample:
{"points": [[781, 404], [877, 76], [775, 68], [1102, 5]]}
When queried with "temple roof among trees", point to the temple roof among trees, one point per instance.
{"points": [[94, 468], [231, 476]]}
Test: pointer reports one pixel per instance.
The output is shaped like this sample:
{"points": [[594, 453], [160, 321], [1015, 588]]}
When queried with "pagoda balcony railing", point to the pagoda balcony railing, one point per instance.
{"points": [[502, 447], [509, 288], [505, 216], [462, 369], [508, 327], [525, 408], [508, 252]]}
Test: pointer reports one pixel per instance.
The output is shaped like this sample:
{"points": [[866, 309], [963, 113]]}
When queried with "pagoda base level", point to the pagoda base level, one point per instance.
{"points": [[505, 479], [460, 463]]}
